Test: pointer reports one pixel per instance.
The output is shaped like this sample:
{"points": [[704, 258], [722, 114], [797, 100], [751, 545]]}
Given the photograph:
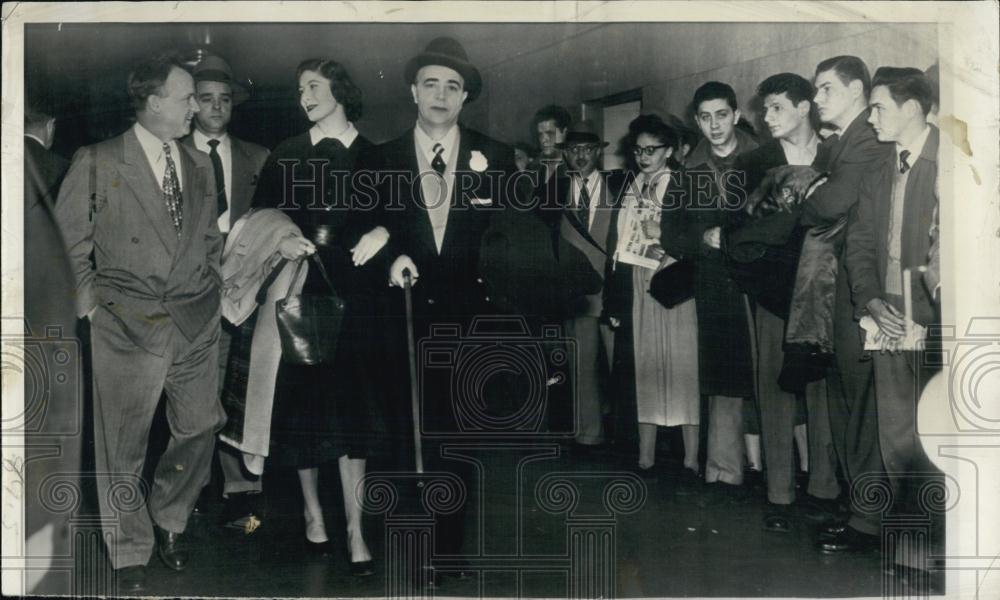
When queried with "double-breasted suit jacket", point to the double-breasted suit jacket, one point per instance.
{"points": [[449, 282], [155, 327]]}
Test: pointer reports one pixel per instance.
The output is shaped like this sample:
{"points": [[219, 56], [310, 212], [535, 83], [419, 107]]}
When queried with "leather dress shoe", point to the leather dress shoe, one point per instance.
{"points": [[850, 541], [131, 579], [168, 548], [833, 528], [361, 568]]}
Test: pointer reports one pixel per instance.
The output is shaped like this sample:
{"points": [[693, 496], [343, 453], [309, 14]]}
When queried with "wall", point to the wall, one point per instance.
{"points": [[669, 61]]}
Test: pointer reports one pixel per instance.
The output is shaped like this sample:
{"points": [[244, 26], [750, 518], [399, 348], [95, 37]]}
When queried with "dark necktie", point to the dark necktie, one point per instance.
{"points": [[438, 162], [220, 176], [583, 202], [903, 165], [172, 191]]}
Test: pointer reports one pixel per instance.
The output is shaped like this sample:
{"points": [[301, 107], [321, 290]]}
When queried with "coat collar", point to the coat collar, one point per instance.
{"points": [[702, 153]]}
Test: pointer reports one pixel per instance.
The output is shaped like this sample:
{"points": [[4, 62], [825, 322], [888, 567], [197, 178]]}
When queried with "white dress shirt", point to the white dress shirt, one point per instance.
{"points": [[152, 146], [801, 156], [593, 190], [225, 150]]}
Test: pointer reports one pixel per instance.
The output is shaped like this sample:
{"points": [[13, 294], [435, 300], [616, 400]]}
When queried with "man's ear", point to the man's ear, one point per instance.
{"points": [[413, 92], [50, 132], [736, 116], [464, 96], [857, 88]]}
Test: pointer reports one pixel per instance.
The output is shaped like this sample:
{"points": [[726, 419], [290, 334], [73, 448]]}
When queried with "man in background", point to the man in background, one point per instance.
{"points": [[236, 165]]}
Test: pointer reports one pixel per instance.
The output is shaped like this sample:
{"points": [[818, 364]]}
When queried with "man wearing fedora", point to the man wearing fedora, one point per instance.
{"points": [[236, 164], [577, 206], [454, 182]]}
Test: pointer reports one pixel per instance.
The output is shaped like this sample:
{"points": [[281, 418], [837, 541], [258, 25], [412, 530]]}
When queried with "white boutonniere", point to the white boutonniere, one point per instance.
{"points": [[478, 162]]}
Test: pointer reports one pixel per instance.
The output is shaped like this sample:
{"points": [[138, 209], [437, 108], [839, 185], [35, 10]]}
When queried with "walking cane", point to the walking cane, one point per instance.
{"points": [[414, 393]]}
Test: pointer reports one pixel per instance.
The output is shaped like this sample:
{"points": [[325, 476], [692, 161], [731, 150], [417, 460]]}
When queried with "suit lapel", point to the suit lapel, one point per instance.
{"points": [[458, 211], [423, 231], [192, 192], [139, 176], [239, 196]]}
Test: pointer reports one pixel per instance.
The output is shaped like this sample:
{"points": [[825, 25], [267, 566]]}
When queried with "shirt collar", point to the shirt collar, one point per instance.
{"points": [[201, 140], [854, 117], [345, 137], [809, 150], [426, 144], [152, 145], [916, 146]]}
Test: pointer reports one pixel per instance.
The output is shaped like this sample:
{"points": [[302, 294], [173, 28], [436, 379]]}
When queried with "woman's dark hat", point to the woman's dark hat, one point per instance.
{"points": [[581, 132], [447, 52], [214, 68]]}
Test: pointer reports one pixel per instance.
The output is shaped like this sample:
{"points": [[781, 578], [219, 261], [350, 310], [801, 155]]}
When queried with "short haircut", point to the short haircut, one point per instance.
{"points": [[37, 113], [796, 87], [527, 148], [714, 90], [149, 76], [906, 83], [341, 85], [552, 112], [848, 68]]}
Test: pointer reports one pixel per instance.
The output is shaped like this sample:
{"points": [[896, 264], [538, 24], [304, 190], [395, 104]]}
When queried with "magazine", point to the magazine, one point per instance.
{"points": [[634, 247]]}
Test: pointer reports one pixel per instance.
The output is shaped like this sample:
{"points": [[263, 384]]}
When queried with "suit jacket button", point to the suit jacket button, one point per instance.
{"points": [[479, 280], [430, 301], [135, 240]]}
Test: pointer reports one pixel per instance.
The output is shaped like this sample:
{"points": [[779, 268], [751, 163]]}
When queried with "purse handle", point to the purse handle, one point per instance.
{"points": [[322, 271]]}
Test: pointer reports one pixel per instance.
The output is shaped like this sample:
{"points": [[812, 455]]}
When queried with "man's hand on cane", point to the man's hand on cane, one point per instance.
{"points": [[403, 262]]}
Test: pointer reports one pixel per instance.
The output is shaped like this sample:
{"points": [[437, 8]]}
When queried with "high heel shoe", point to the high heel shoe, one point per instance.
{"points": [[364, 568], [323, 549]]}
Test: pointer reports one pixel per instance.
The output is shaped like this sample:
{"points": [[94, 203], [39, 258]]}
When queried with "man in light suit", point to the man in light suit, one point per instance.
{"points": [[144, 206], [236, 165], [889, 232], [580, 202], [454, 182]]}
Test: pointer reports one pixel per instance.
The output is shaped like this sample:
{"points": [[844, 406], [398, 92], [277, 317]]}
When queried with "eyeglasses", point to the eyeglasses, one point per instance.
{"points": [[581, 149], [646, 150]]}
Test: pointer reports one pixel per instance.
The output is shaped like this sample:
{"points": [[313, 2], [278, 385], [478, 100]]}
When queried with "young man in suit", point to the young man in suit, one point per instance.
{"points": [[842, 89], [151, 294], [889, 232], [724, 337], [579, 205], [787, 100], [454, 180], [550, 124], [236, 165]]}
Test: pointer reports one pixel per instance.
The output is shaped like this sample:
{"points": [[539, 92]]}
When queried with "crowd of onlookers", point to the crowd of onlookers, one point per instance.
{"points": [[770, 293]]}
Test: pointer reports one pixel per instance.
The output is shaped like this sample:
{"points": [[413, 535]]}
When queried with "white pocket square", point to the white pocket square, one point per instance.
{"points": [[482, 201]]}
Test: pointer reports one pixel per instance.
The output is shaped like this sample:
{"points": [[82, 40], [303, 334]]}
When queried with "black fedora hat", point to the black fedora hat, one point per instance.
{"points": [[581, 132], [214, 68], [447, 52]]}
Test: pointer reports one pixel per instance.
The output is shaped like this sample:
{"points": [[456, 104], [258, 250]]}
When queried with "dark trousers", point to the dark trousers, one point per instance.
{"points": [[128, 382]]}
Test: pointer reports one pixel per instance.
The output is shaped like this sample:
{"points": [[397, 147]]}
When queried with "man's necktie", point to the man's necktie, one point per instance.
{"points": [[903, 165], [583, 202], [172, 191], [438, 162], [220, 176]]}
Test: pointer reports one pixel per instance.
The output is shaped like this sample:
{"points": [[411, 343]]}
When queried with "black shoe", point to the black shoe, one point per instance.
{"points": [[689, 482], [720, 492], [364, 568], [648, 474], [778, 518], [131, 579], [850, 541], [323, 549], [168, 548], [753, 479], [832, 528], [243, 511]]}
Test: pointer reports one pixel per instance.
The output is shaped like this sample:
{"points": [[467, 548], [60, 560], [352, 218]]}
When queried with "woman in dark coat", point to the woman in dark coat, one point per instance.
{"points": [[329, 412]]}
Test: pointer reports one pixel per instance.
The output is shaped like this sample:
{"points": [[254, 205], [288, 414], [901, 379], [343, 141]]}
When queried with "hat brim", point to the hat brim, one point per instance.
{"points": [[566, 144], [469, 73]]}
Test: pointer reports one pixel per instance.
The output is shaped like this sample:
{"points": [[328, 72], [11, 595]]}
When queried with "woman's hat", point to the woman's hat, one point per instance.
{"points": [[214, 68], [447, 52]]}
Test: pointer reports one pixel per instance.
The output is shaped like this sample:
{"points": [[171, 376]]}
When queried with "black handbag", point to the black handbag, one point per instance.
{"points": [[309, 324], [674, 284]]}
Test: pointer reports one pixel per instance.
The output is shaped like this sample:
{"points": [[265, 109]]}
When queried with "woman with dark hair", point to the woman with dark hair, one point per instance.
{"points": [[656, 348], [329, 412]]}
